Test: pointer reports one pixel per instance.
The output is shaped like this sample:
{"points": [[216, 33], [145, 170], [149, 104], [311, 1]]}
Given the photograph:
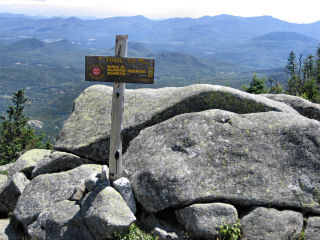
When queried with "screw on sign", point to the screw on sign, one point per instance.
{"points": [[118, 69], [96, 71]]}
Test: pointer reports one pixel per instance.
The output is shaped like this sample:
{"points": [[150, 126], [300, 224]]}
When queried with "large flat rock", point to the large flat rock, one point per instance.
{"points": [[48, 189], [86, 132], [41, 161], [304, 107], [27, 161], [270, 159], [58, 162]]}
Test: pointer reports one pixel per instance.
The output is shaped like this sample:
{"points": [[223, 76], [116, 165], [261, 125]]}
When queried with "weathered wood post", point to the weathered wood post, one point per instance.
{"points": [[118, 69], [115, 152]]}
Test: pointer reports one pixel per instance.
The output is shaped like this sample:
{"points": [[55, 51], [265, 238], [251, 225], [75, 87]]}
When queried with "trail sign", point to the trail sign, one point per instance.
{"points": [[119, 69]]}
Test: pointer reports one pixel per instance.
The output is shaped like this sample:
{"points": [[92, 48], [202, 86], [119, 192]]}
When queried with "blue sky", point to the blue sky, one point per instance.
{"points": [[297, 11]]}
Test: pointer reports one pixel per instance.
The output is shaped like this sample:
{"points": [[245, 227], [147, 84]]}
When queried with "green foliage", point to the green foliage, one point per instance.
{"points": [[318, 65], [291, 64], [229, 231], [15, 134], [302, 235], [310, 91], [257, 86], [304, 82], [293, 77], [4, 172], [293, 85], [134, 233], [275, 89]]}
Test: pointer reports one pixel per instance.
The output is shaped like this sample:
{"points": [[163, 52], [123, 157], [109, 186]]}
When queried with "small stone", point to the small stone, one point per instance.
{"points": [[11, 191], [203, 220], [61, 221], [104, 173], [105, 212], [269, 224], [8, 231], [164, 235], [79, 191], [123, 186], [313, 229], [91, 183]]}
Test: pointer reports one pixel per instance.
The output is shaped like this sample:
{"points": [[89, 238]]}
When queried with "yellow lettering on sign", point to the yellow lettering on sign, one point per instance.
{"points": [[114, 59], [112, 67], [150, 72], [115, 70], [136, 71]]}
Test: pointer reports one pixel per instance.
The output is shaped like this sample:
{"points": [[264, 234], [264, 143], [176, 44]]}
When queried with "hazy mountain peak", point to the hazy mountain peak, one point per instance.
{"points": [[29, 43], [286, 36]]}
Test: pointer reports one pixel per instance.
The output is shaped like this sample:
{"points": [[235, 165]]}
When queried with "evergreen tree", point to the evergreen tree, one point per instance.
{"points": [[291, 64], [293, 79], [277, 89], [257, 86], [308, 68], [15, 134], [309, 86], [310, 91], [317, 71]]}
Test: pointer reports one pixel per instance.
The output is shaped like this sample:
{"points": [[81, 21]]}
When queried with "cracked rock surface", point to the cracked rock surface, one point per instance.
{"points": [[270, 158]]}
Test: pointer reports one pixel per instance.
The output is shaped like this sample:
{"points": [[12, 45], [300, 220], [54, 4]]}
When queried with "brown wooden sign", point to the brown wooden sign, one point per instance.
{"points": [[119, 69]]}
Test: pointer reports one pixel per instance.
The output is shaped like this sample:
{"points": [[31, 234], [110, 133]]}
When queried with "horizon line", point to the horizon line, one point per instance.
{"points": [[88, 17]]}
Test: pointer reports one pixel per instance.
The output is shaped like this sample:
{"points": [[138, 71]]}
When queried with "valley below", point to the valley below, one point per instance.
{"points": [[46, 56]]}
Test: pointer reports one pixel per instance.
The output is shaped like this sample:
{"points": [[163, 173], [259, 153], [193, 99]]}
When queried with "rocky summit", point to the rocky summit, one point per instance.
{"points": [[196, 159], [86, 132]]}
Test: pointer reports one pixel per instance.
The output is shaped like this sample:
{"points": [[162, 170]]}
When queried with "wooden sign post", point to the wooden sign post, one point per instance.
{"points": [[118, 69]]}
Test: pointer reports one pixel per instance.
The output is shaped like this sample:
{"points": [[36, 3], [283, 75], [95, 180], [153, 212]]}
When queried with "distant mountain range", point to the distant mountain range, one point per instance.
{"points": [[46, 55], [214, 37]]}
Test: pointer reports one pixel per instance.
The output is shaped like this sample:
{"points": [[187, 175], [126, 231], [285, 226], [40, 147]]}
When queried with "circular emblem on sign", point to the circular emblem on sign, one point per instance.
{"points": [[96, 71]]}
